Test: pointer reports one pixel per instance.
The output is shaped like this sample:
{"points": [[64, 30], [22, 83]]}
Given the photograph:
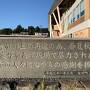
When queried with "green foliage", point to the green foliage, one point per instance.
{"points": [[18, 29], [41, 86], [6, 31], [31, 30], [37, 29]]}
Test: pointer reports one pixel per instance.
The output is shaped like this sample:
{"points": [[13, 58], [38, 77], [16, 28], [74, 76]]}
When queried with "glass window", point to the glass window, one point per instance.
{"points": [[78, 11], [82, 8], [70, 18], [75, 14], [71, 35]]}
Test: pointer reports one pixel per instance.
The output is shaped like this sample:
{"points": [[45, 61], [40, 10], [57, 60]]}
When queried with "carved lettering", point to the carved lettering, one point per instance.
{"points": [[69, 57]]}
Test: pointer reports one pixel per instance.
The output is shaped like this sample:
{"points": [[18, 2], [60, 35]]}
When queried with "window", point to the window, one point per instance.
{"points": [[74, 19], [78, 11], [75, 15], [78, 16], [82, 13], [70, 18], [71, 35], [82, 8]]}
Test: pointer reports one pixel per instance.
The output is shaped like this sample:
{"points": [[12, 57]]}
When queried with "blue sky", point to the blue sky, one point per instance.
{"points": [[24, 12]]}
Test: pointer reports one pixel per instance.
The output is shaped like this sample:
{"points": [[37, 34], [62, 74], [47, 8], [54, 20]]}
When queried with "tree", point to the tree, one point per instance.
{"points": [[37, 29], [18, 29], [31, 30], [6, 31], [25, 30]]}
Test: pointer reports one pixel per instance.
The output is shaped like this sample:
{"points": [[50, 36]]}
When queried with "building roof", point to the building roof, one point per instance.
{"points": [[54, 5]]}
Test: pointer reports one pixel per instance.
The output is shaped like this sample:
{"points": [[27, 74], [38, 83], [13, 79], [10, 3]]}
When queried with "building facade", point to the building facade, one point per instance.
{"points": [[69, 19]]}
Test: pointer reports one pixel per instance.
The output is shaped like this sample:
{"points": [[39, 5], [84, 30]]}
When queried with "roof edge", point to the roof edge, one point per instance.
{"points": [[54, 5]]}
